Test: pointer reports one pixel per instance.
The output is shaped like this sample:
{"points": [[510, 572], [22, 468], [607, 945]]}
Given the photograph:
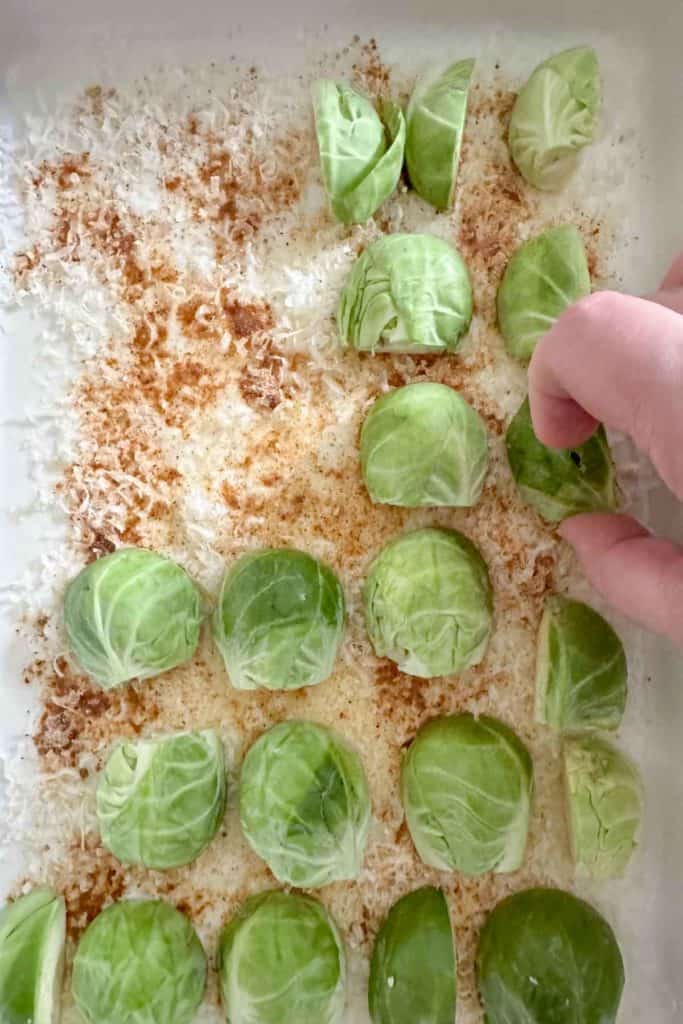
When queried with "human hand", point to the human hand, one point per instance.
{"points": [[618, 360]]}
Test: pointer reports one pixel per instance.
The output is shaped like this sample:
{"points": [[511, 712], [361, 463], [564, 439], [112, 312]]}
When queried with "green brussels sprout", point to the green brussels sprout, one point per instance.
{"points": [[580, 668], [544, 276], [466, 787], [560, 482], [32, 933], [555, 116], [361, 160], [304, 804], [160, 802], [546, 957], [406, 293], [131, 615], [279, 620], [424, 445], [428, 603], [281, 960], [605, 802], [412, 972], [140, 961], [434, 127]]}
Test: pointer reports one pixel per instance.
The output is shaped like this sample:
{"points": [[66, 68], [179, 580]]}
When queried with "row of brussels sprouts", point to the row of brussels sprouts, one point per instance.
{"points": [[362, 150], [543, 956]]}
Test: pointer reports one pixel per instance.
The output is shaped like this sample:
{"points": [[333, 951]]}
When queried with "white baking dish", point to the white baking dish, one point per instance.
{"points": [[48, 47]]}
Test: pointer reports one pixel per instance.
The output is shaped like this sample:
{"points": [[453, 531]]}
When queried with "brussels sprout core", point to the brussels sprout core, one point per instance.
{"points": [[604, 795], [132, 615], [406, 293], [555, 116], [281, 960], [304, 804], [545, 956], [466, 786], [424, 445], [428, 603]]}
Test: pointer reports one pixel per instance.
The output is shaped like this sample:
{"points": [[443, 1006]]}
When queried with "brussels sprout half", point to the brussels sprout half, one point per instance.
{"points": [[605, 801], [434, 129], [428, 603], [32, 934], [131, 615], [160, 802], [360, 168], [279, 620], [281, 960], [466, 786], [304, 804], [544, 276], [412, 972], [546, 957], [140, 961], [581, 668], [560, 482], [406, 293], [424, 445], [555, 116]]}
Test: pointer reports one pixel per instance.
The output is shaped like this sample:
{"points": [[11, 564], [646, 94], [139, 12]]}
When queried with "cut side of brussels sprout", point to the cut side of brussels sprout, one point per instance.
{"points": [[424, 445], [428, 603], [555, 116], [412, 972], [406, 293], [560, 482], [435, 122], [605, 801], [279, 620], [581, 669], [132, 615], [546, 957], [304, 804], [32, 935], [360, 156], [140, 961], [281, 960], [466, 786], [160, 802], [545, 276]]}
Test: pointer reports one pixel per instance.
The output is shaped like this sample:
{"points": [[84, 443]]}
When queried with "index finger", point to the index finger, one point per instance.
{"points": [[618, 360]]}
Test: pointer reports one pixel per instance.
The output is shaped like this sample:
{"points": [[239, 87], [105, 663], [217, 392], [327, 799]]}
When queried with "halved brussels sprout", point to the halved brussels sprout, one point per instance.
{"points": [[546, 957], [412, 972], [605, 802], [279, 620], [304, 804], [160, 802], [424, 445], [32, 933], [140, 961], [406, 293], [466, 786], [434, 129], [131, 615], [560, 482], [555, 116], [281, 960], [580, 668], [544, 276], [428, 603], [360, 165]]}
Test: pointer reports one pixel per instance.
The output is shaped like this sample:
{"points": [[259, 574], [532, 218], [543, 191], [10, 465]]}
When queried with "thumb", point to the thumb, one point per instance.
{"points": [[640, 575]]}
